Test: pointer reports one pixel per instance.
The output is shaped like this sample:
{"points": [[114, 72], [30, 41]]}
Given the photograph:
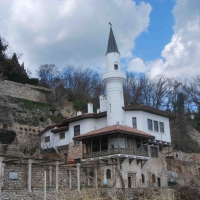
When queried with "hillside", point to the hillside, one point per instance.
{"points": [[25, 109]]}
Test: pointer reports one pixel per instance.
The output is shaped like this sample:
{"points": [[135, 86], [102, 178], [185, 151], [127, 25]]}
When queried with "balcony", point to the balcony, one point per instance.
{"points": [[133, 152]]}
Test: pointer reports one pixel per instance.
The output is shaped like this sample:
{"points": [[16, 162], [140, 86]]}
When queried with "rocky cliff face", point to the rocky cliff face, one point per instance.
{"points": [[26, 116]]}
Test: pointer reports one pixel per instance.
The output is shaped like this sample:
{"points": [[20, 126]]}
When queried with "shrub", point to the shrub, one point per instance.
{"points": [[6, 136]]}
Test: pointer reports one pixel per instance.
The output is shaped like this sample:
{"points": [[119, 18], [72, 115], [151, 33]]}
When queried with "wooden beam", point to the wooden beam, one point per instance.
{"points": [[130, 160], [105, 161], [138, 161], [121, 160], [114, 160], [143, 162]]}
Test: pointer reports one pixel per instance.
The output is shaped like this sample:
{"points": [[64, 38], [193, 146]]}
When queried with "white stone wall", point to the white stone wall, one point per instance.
{"points": [[142, 125], [86, 125], [154, 166]]}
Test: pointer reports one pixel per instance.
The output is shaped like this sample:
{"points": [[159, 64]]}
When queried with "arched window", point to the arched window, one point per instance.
{"points": [[116, 65], [143, 180], [153, 178], [108, 174]]}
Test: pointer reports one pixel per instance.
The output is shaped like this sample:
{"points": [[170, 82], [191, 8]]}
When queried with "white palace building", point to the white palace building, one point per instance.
{"points": [[126, 140]]}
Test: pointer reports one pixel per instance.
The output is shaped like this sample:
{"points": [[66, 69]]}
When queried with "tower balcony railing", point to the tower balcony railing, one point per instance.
{"points": [[134, 152]]}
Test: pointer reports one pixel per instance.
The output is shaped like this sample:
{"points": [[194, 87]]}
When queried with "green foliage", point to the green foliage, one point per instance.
{"points": [[43, 91], [35, 120], [197, 121], [29, 151], [79, 105], [104, 186], [57, 118], [7, 137], [172, 183], [33, 105], [170, 157], [193, 145], [33, 81], [11, 68]]}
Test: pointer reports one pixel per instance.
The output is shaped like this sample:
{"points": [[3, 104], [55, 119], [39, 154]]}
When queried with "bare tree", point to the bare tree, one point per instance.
{"points": [[49, 75], [192, 90]]}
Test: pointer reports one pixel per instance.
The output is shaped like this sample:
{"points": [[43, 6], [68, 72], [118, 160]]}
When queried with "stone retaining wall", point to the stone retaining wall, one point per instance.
{"points": [[21, 194], [24, 91], [37, 180]]}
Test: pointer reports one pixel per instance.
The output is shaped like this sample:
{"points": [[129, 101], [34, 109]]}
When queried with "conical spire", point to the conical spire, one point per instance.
{"points": [[112, 45]]}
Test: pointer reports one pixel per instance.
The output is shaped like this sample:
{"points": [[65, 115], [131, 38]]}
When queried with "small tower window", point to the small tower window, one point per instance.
{"points": [[108, 174], [116, 66]]}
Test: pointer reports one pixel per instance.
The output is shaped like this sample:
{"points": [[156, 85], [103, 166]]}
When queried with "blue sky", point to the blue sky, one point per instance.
{"points": [[156, 37], [149, 44]]}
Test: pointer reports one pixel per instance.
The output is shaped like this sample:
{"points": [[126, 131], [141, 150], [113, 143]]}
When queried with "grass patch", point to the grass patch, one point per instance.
{"points": [[170, 157], [57, 118], [43, 91], [172, 183], [34, 105]]}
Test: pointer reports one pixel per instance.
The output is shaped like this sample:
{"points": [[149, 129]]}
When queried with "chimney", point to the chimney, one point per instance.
{"points": [[90, 108], [79, 113]]}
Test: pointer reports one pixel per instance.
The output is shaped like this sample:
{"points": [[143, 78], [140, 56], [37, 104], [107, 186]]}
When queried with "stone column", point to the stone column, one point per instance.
{"points": [[70, 179], [78, 176], [88, 176], [1, 175], [30, 161], [57, 165], [50, 176], [163, 178], [96, 181]]}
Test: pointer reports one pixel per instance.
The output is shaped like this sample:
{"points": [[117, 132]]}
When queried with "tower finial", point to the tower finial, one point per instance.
{"points": [[112, 45]]}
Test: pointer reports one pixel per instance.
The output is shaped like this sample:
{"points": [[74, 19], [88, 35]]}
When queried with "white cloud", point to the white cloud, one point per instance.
{"points": [[137, 65], [180, 57], [70, 32]]}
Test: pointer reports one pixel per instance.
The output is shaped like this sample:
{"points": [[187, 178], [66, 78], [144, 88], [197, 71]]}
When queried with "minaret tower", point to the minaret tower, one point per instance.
{"points": [[114, 79]]}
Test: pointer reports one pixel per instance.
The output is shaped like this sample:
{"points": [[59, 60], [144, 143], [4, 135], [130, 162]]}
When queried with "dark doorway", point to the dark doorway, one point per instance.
{"points": [[158, 182], [129, 182]]}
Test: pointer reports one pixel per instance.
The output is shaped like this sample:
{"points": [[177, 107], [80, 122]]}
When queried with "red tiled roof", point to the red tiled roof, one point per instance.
{"points": [[114, 128]]}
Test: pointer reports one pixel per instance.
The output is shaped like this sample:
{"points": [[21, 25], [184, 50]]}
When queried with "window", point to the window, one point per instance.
{"points": [[47, 139], [116, 66], [76, 133], [134, 120], [62, 135], [150, 125], [144, 148], [143, 180], [162, 130], [154, 152], [155, 124], [108, 174]]}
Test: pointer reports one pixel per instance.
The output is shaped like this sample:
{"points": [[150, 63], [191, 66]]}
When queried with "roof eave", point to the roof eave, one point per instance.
{"points": [[150, 110], [112, 132]]}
